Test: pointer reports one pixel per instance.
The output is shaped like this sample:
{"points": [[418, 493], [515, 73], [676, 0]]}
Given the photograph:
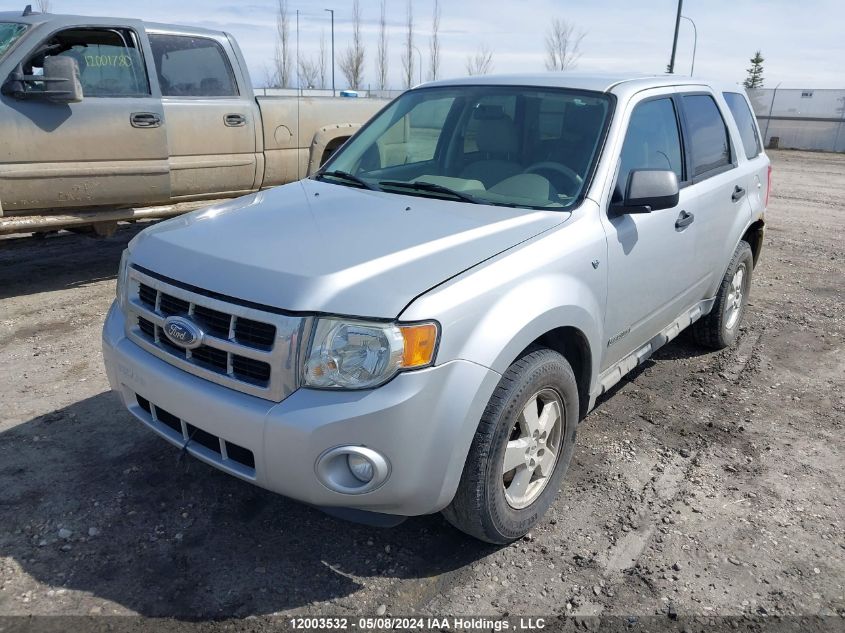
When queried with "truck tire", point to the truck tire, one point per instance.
{"points": [[720, 327], [531, 421]]}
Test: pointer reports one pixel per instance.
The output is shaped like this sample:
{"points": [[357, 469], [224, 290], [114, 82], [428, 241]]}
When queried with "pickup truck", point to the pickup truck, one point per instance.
{"points": [[105, 119], [422, 324]]}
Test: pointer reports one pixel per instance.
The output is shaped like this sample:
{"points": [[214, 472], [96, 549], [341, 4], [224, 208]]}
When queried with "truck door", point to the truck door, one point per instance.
{"points": [[211, 130], [650, 282], [108, 149]]}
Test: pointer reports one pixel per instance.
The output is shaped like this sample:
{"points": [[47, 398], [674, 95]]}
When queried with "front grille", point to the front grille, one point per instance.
{"points": [[218, 449], [245, 348]]}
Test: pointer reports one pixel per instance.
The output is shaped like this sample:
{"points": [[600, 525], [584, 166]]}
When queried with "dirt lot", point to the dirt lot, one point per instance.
{"points": [[707, 484]]}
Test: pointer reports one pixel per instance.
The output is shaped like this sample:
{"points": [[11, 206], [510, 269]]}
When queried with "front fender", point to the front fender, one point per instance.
{"points": [[492, 312]]}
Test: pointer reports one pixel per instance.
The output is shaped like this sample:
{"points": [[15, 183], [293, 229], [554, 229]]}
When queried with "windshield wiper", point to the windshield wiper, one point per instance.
{"points": [[345, 175], [432, 187]]}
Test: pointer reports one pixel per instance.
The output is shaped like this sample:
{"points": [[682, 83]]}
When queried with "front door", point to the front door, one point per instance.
{"points": [[211, 120], [108, 149], [649, 254]]}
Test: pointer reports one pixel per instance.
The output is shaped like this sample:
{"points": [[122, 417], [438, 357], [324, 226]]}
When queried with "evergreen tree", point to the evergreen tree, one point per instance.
{"points": [[755, 73]]}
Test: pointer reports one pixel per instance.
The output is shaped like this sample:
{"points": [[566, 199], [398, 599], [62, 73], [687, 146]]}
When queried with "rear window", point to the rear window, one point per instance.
{"points": [[710, 147], [745, 122], [192, 67]]}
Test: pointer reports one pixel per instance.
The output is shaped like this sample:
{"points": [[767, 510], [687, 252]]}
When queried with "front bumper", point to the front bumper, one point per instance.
{"points": [[423, 422]]}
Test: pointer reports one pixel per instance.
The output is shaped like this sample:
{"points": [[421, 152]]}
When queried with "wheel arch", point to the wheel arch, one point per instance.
{"points": [[754, 236]]}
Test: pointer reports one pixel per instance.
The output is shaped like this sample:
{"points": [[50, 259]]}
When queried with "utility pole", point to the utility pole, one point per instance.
{"points": [[334, 93], [675, 40]]}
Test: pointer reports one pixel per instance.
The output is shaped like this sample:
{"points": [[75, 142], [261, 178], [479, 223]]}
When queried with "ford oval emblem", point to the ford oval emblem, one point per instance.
{"points": [[183, 332]]}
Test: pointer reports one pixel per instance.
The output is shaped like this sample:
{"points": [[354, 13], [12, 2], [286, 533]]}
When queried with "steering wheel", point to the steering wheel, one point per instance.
{"points": [[572, 178]]}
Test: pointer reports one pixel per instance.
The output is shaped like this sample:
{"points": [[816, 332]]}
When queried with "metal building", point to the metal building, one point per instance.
{"points": [[801, 118]]}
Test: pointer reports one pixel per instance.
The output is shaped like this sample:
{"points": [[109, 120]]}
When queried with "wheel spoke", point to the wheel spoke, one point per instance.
{"points": [[519, 485], [515, 453], [530, 418], [549, 416], [547, 462]]}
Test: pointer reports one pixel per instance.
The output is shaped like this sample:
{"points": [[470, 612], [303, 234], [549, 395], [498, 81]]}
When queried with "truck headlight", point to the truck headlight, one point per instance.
{"points": [[350, 354], [122, 271]]}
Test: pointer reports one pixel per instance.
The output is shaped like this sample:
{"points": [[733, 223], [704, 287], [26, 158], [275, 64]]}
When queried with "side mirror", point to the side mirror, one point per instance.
{"points": [[62, 77], [60, 81], [649, 190]]}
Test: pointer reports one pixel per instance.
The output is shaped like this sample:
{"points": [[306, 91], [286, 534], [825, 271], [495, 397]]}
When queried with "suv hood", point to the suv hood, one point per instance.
{"points": [[319, 247]]}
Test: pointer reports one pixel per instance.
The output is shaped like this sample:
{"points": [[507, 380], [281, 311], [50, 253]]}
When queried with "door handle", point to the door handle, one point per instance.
{"points": [[684, 220], [144, 119], [736, 196], [234, 120]]}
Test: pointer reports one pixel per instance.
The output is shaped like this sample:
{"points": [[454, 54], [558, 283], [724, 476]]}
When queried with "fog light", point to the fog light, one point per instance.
{"points": [[361, 467]]}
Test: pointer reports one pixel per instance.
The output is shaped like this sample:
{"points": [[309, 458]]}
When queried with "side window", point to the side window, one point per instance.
{"points": [[745, 122], [413, 138], [709, 143], [192, 67], [110, 62], [652, 142]]}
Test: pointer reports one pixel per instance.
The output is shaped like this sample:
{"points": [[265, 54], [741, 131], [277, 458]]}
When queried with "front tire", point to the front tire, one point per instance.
{"points": [[521, 450], [720, 328]]}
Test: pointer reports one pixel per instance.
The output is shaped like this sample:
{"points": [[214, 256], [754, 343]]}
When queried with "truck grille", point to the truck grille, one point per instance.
{"points": [[246, 348]]}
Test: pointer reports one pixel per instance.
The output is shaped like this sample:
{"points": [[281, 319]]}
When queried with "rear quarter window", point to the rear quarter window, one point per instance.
{"points": [[709, 141], [741, 113]]}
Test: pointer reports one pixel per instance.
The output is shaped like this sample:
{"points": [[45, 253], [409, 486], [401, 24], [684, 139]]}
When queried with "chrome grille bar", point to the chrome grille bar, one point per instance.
{"points": [[245, 362]]}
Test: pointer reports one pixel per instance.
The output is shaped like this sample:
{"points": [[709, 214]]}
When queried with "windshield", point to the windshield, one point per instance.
{"points": [[508, 145], [9, 34]]}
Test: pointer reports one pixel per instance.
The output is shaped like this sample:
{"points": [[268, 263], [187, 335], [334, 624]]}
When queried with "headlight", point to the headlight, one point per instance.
{"points": [[122, 270], [348, 354]]}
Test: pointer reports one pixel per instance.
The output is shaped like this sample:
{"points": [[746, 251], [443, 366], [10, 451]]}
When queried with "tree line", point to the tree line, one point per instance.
{"points": [[563, 49]]}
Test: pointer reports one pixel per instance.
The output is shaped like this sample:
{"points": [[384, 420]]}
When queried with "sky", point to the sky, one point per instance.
{"points": [[803, 42]]}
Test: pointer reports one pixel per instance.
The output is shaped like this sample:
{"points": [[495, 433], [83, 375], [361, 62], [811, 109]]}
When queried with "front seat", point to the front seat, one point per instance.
{"points": [[498, 143]]}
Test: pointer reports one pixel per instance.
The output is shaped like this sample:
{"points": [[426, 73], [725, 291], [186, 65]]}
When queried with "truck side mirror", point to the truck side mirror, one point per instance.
{"points": [[62, 77], [60, 81], [649, 190]]}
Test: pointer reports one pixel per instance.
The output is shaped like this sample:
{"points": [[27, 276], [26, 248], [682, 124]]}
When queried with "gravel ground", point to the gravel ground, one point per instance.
{"points": [[706, 484]]}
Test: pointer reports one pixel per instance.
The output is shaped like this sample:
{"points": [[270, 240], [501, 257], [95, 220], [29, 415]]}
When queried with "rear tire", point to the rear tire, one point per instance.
{"points": [[720, 328], [531, 420]]}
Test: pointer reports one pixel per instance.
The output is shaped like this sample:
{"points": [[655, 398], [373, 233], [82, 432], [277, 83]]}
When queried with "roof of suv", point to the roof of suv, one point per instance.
{"points": [[577, 81]]}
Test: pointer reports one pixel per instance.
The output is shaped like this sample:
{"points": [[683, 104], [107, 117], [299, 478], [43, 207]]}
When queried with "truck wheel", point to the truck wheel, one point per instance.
{"points": [[719, 329], [521, 450]]}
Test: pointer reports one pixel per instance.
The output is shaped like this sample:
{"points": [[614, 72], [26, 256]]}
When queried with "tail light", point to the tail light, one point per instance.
{"points": [[768, 185]]}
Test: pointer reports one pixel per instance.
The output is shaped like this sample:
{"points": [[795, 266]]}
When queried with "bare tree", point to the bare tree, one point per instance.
{"points": [[309, 72], [352, 62], [323, 58], [434, 45], [481, 63], [408, 55], [44, 6], [381, 59], [563, 45], [283, 61]]}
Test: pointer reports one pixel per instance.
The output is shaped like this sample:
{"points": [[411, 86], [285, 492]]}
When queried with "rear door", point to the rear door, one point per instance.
{"points": [[211, 131], [650, 255], [757, 169], [108, 149], [719, 187]]}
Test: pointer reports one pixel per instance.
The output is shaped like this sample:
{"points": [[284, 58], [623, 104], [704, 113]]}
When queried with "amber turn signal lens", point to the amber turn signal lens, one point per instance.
{"points": [[420, 341]]}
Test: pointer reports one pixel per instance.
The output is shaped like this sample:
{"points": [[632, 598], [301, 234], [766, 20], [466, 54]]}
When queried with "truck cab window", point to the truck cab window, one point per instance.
{"points": [[652, 142], [192, 67], [109, 60]]}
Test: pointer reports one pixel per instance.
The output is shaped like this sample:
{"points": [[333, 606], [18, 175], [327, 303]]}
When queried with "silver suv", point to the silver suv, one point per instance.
{"points": [[421, 325]]}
